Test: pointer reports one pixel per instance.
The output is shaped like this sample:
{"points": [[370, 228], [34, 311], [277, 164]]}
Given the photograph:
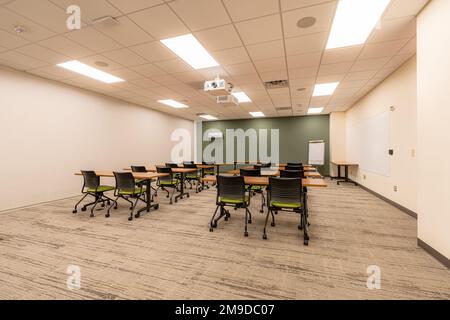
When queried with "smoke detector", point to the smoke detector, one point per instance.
{"points": [[19, 29], [306, 22]]}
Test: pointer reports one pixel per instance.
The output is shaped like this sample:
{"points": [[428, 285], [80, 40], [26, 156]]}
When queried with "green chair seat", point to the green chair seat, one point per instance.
{"points": [[234, 200], [192, 177], [100, 189], [291, 205], [257, 188], [130, 192], [168, 183]]}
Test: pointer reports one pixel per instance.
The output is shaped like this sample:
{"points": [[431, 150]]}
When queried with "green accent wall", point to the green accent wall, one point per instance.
{"points": [[295, 134]]}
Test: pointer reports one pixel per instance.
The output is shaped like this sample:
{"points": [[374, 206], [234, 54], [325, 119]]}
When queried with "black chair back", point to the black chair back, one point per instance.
{"points": [[231, 187], [172, 165], [265, 165], [250, 172], [291, 174], [208, 163], [187, 163], [91, 180], [293, 168], [138, 169], [167, 170], [125, 181], [295, 164], [285, 189], [190, 166]]}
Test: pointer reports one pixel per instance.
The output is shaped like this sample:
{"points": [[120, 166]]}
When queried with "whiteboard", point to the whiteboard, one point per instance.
{"points": [[368, 144], [316, 153]]}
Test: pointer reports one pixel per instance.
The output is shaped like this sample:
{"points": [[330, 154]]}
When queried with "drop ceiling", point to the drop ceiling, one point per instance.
{"points": [[254, 41]]}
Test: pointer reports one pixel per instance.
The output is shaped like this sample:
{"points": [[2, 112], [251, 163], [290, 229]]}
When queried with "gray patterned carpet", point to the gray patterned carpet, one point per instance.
{"points": [[170, 253]]}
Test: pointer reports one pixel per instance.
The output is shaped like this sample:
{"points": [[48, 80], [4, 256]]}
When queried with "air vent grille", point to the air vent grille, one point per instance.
{"points": [[283, 109], [276, 84]]}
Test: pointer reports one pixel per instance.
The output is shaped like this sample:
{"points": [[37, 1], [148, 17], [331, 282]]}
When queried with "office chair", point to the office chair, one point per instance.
{"points": [[168, 181], [285, 194], [295, 164], [209, 172], [126, 189], [292, 174], [254, 188], [263, 165], [231, 191], [187, 162], [192, 176], [140, 182], [293, 168], [92, 187]]}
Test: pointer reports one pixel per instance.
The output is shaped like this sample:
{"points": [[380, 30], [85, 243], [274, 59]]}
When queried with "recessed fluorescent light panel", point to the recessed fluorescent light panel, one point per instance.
{"points": [[88, 71], [325, 89], [173, 104], [208, 117], [257, 114], [190, 50], [354, 21], [315, 110], [241, 96]]}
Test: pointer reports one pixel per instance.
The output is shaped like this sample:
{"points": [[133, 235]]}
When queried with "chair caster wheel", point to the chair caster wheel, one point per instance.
{"points": [[131, 208], [83, 209], [250, 221], [130, 218], [107, 215], [245, 234], [115, 208], [305, 242], [187, 195], [74, 211], [300, 227], [157, 207], [170, 202], [226, 218], [214, 225], [176, 201], [261, 211], [272, 224], [103, 205], [137, 215], [211, 229], [92, 215], [264, 236], [167, 196], [108, 203], [276, 212]]}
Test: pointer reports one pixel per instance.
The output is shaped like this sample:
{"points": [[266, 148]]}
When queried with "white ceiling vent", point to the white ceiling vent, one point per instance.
{"points": [[106, 21], [276, 84]]}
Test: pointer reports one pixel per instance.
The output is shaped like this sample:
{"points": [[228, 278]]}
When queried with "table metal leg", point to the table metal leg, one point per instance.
{"points": [[182, 193], [148, 195]]}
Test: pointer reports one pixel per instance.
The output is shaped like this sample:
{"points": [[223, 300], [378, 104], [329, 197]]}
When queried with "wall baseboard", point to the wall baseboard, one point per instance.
{"points": [[434, 253], [393, 203]]}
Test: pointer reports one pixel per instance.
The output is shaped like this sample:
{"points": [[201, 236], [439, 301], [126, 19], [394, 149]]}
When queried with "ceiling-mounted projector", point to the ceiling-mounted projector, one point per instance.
{"points": [[218, 87], [227, 101]]}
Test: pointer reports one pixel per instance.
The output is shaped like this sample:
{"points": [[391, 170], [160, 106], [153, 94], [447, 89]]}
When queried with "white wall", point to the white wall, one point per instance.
{"points": [[337, 140], [433, 88], [398, 90], [49, 130]]}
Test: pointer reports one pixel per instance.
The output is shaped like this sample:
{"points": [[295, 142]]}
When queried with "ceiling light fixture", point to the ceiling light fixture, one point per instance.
{"points": [[88, 71], [173, 104], [257, 114], [190, 50], [241, 96], [325, 89], [354, 21], [208, 117], [315, 110]]}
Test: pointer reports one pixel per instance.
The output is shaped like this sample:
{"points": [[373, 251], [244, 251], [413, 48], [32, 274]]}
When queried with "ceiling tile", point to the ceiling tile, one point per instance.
{"points": [[306, 44], [90, 10], [93, 40], [295, 4], [11, 41], [56, 72], [323, 14], [369, 64], [352, 84], [125, 57], [22, 61], [126, 32], [127, 6], [67, 47], [241, 69], [42, 12], [34, 32], [201, 14], [91, 61], [260, 30], [382, 49], [331, 78], [148, 70], [160, 22], [145, 83], [231, 56], [403, 8], [127, 74], [249, 9], [173, 66], [189, 77], [275, 64], [410, 47], [304, 60], [266, 50], [364, 75], [341, 54], [393, 30], [398, 60], [43, 54], [219, 38], [334, 68], [153, 51], [274, 75], [299, 73]]}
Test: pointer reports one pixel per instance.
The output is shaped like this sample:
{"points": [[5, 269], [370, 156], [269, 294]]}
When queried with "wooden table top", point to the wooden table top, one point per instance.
{"points": [[264, 181], [344, 163], [137, 175], [306, 169]]}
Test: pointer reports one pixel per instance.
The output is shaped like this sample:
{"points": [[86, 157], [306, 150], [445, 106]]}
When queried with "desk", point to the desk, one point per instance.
{"points": [[147, 176], [264, 181], [182, 172], [344, 164], [276, 173]]}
